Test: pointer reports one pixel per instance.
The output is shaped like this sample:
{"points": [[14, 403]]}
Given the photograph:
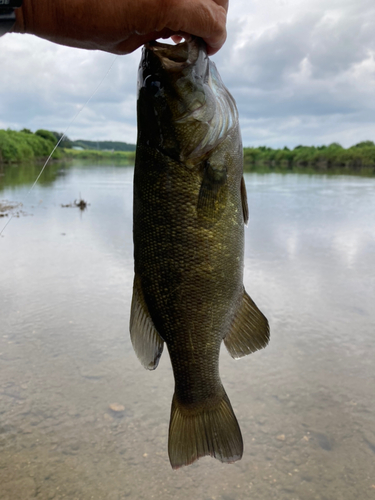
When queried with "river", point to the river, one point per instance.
{"points": [[79, 416]]}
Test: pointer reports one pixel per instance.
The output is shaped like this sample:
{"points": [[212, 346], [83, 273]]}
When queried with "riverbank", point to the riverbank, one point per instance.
{"points": [[94, 154], [25, 146], [333, 158]]}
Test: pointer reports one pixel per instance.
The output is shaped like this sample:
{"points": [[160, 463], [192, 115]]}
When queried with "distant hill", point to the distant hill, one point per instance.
{"points": [[103, 145]]}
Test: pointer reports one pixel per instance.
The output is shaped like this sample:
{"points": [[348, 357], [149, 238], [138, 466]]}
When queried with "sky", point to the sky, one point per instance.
{"points": [[301, 72]]}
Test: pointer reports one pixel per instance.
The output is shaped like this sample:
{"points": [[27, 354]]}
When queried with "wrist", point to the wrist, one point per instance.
{"points": [[19, 24], [35, 17], [54, 20], [77, 23], [7, 15]]}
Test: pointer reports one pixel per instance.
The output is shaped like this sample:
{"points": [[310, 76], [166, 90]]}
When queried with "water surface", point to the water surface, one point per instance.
{"points": [[305, 404]]}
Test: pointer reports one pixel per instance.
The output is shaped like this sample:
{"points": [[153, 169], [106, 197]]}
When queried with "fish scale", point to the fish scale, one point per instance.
{"points": [[189, 213]]}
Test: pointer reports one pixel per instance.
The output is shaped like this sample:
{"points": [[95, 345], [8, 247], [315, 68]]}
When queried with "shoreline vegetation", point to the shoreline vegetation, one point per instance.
{"points": [[26, 146]]}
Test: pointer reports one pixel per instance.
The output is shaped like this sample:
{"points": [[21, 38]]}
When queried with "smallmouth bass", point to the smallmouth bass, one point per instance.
{"points": [[190, 208]]}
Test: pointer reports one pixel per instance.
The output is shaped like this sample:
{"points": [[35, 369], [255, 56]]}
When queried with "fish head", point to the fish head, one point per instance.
{"points": [[184, 109]]}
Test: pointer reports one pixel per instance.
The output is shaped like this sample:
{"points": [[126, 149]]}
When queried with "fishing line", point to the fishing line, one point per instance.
{"points": [[62, 137]]}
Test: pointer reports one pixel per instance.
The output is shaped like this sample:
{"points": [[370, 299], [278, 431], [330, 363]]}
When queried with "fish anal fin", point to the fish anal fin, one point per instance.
{"points": [[210, 430], [245, 206], [147, 343], [249, 331]]}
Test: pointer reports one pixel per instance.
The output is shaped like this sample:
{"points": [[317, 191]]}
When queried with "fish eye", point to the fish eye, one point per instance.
{"points": [[153, 86]]}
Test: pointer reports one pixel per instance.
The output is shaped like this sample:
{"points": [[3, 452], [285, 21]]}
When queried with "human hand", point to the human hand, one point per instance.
{"points": [[121, 26]]}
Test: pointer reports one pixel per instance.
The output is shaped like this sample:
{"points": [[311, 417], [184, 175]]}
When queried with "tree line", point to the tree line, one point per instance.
{"points": [[24, 145], [17, 147], [331, 157]]}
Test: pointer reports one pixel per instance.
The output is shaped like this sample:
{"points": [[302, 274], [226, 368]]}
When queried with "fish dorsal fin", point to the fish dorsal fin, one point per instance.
{"points": [[245, 206], [213, 191], [147, 343], [249, 331]]}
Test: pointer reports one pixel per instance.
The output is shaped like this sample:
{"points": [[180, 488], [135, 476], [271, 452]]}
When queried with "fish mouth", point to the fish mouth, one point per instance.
{"points": [[185, 93], [179, 56]]}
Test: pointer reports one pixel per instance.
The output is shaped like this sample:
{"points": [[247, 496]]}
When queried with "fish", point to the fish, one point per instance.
{"points": [[189, 212]]}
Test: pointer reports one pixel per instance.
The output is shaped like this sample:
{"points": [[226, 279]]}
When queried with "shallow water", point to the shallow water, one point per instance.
{"points": [[305, 404]]}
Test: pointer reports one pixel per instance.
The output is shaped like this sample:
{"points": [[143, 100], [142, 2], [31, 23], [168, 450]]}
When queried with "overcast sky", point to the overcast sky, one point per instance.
{"points": [[301, 71]]}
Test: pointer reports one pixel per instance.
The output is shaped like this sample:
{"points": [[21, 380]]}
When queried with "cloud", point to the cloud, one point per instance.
{"points": [[307, 78], [48, 84], [301, 71]]}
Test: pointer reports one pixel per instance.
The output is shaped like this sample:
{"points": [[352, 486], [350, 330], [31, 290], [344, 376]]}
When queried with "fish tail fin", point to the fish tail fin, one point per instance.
{"points": [[211, 430]]}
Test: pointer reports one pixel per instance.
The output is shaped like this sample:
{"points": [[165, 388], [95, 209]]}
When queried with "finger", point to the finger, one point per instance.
{"points": [[135, 41], [222, 3], [176, 38], [204, 19]]}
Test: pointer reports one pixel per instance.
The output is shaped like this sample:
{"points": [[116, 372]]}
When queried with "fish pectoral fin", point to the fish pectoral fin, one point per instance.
{"points": [[249, 331], [213, 191], [245, 206], [147, 343]]}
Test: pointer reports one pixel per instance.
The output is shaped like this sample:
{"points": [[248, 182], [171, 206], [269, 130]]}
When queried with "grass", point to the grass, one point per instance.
{"points": [[94, 154]]}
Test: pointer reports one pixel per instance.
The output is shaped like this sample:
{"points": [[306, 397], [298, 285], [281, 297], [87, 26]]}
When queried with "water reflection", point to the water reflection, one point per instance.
{"points": [[305, 404], [25, 174]]}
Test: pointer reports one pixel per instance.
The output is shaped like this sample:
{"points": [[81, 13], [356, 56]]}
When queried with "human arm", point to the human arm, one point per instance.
{"points": [[121, 26]]}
